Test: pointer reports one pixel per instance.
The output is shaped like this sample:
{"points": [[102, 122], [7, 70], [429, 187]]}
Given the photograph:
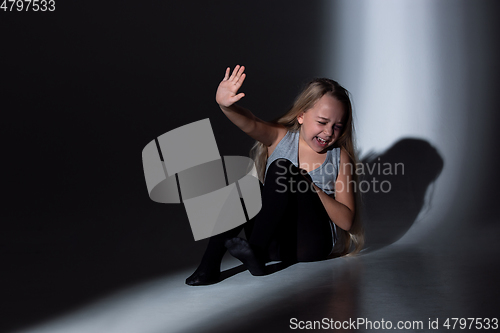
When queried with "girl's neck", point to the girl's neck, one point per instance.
{"points": [[307, 158]]}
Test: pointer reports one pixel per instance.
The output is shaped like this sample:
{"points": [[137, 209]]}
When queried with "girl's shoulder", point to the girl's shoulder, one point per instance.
{"points": [[344, 155], [281, 133]]}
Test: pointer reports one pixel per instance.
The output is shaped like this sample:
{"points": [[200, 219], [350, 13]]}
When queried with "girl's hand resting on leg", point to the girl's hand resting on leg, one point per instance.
{"points": [[227, 92]]}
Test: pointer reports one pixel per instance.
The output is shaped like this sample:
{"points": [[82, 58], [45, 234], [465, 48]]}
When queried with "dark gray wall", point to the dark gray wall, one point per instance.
{"points": [[83, 90]]}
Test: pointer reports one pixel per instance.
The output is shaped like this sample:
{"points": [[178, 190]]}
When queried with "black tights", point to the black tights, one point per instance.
{"points": [[291, 226]]}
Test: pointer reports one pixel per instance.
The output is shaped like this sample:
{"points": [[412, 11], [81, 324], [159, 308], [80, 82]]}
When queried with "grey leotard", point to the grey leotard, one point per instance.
{"points": [[323, 176]]}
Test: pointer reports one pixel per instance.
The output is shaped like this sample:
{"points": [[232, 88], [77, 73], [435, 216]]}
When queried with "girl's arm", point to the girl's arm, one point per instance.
{"points": [[227, 95], [341, 209]]}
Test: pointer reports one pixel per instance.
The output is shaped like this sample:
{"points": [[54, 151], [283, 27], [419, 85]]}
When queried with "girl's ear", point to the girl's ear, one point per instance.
{"points": [[300, 118]]}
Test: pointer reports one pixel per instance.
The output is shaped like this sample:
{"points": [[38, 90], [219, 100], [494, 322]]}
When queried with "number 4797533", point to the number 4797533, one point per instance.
{"points": [[28, 5]]}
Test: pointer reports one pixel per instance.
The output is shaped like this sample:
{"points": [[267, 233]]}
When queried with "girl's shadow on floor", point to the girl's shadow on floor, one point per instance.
{"points": [[393, 186], [398, 179]]}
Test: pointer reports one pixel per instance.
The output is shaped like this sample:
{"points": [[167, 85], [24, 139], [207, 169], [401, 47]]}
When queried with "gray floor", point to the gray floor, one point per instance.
{"points": [[412, 282]]}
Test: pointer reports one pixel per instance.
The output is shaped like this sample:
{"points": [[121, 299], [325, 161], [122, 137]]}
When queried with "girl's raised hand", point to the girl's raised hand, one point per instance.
{"points": [[227, 92]]}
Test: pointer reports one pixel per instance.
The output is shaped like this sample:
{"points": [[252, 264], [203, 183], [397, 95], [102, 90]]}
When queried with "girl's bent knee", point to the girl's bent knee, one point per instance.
{"points": [[282, 167]]}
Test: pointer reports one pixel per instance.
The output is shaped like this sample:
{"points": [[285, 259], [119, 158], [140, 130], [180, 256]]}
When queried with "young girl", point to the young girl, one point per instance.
{"points": [[306, 161]]}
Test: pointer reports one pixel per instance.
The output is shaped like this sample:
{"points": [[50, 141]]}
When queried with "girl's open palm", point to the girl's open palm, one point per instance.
{"points": [[227, 92]]}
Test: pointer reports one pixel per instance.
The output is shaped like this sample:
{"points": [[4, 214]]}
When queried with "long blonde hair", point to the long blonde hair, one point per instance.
{"points": [[350, 242]]}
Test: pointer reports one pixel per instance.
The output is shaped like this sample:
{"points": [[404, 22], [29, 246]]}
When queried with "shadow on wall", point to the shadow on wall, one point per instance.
{"points": [[397, 180]]}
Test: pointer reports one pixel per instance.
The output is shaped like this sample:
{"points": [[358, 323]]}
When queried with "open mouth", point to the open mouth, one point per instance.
{"points": [[321, 142]]}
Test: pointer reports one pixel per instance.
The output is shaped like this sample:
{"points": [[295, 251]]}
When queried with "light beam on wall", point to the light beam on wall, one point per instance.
{"points": [[404, 64]]}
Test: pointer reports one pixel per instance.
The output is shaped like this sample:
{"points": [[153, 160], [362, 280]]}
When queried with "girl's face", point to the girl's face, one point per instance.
{"points": [[322, 124]]}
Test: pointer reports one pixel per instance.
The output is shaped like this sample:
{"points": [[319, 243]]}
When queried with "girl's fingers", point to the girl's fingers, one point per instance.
{"points": [[226, 76], [239, 73], [241, 79], [234, 72], [236, 98]]}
